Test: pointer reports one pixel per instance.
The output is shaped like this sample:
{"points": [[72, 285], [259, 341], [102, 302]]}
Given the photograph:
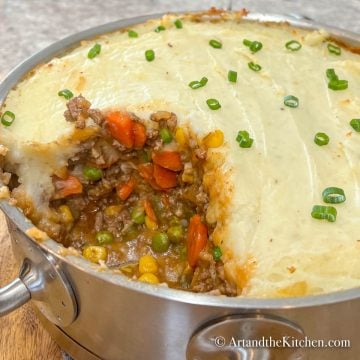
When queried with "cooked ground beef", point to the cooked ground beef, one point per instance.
{"points": [[133, 198]]}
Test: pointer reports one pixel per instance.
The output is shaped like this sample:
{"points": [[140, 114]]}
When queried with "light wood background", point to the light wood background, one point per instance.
{"points": [[22, 337]]}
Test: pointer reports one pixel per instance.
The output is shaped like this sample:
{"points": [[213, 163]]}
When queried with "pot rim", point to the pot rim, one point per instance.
{"points": [[17, 217]]}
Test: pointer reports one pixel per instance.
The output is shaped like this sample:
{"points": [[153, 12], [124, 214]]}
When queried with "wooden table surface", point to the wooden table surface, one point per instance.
{"points": [[22, 337]]}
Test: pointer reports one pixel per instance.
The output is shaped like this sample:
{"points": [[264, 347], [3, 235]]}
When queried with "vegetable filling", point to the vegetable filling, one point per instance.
{"points": [[133, 198]]}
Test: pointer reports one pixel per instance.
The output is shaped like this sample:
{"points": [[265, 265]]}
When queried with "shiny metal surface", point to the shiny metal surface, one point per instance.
{"points": [[123, 319], [40, 279], [229, 338]]}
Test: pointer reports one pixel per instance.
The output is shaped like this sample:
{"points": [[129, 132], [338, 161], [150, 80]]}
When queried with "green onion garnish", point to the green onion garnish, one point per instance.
{"points": [[333, 195], [198, 84], [355, 124], [7, 118], [334, 49], [232, 76], [94, 51], [160, 28], [338, 84], [293, 45], [217, 253], [334, 82], [213, 104], [149, 55], [324, 213], [132, 34], [178, 23], [244, 139], [215, 44], [253, 66], [254, 46], [331, 75], [165, 135], [321, 139], [291, 101], [67, 94]]}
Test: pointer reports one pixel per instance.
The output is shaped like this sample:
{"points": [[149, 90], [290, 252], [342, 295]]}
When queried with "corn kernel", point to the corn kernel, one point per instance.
{"points": [[95, 253], [66, 214], [214, 139], [150, 224], [147, 264], [113, 210], [180, 136], [149, 278]]}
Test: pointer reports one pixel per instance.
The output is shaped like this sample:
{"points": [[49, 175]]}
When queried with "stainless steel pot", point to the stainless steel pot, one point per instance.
{"points": [[101, 315]]}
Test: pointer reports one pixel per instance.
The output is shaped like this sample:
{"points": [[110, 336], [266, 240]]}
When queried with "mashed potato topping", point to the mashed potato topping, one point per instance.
{"points": [[261, 197]]}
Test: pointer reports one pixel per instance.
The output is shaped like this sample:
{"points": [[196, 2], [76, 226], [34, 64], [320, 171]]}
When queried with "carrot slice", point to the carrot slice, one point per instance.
{"points": [[66, 187], [120, 126], [165, 178], [124, 190], [168, 159], [149, 210], [139, 132], [146, 171], [196, 239]]}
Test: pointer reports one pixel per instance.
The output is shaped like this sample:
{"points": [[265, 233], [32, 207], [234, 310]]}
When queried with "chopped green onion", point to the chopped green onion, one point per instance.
{"points": [[104, 237], [92, 173], [244, 139], [178, 23], [333, 195], [355, 124], [94, 51], [232, 76], [254, 46], [291, 101], [213, 104], [198, 84], [150, 55], [324, 213], [293, 45], [7, 118], [165, 135], [138, 215], [67, 94], [133, 34], [254, 67], [217, 253], [338, 84], [334, 82], [331, 75], [334, 49], [215, 44], [321, 139], [160, 28]]}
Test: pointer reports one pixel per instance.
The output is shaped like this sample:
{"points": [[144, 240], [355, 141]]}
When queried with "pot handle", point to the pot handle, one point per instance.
{"points": [[12, 296]]}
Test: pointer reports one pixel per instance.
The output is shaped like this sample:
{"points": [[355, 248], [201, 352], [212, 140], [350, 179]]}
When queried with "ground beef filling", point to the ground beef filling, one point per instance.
{"points": [[133, 198]]}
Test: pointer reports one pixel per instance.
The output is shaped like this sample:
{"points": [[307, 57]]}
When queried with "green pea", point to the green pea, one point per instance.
{"points": [[92, 173], [160, 242], [104, 237], [138, 215], [175, 233], [217, 253], [165, 135], [131, 233]]}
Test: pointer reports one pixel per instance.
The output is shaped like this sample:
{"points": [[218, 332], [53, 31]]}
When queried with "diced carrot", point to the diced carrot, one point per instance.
{"points": [[196, 239], [168, 159], [165, 178], [124, 190], [146, 171], [149, 210], [139, 132], [66, 187], [121, 128]]}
